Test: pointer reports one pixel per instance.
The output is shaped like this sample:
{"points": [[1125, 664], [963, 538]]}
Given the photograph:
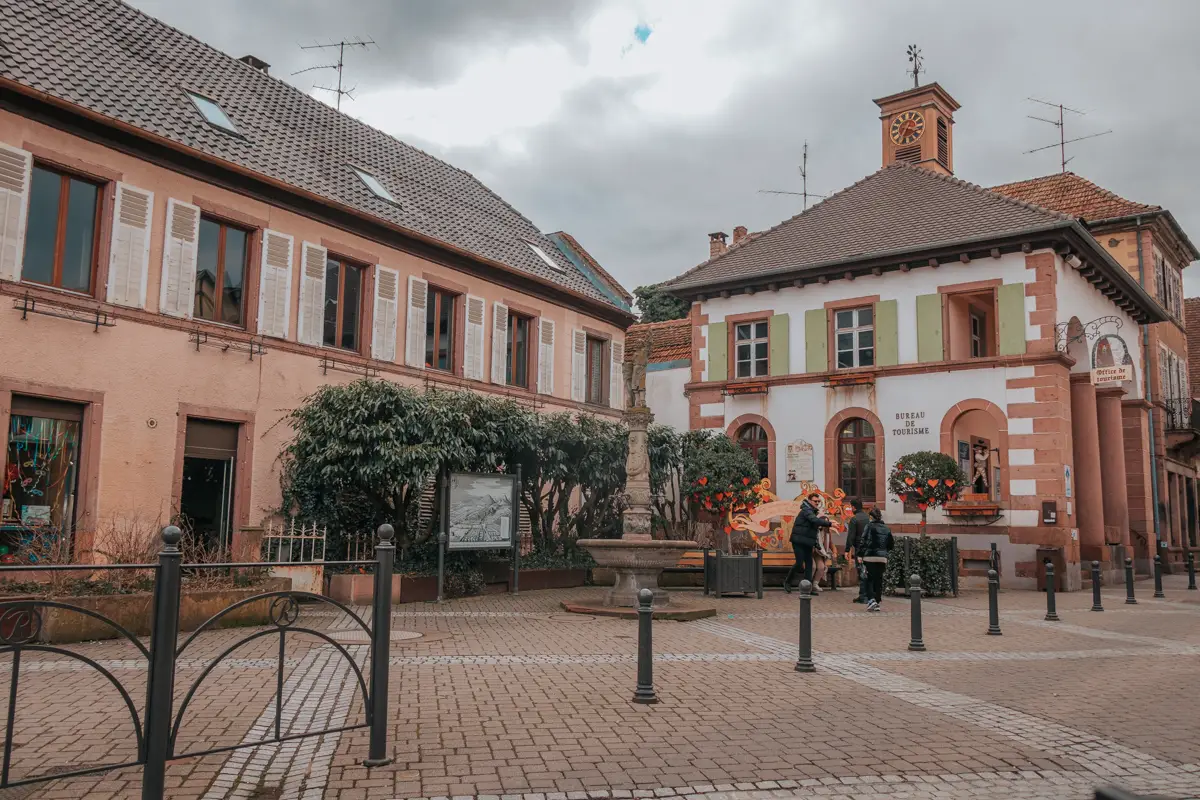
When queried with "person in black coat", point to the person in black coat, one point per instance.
{"points": [[877, 542], [854, 532], [804, 539]]}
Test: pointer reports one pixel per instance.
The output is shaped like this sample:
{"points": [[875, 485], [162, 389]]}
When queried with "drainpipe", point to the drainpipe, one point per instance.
{"points": [[1149, 398]]}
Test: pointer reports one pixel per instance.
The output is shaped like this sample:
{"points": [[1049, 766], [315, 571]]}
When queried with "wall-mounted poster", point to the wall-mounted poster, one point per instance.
{"points": [[800, 461], [1067, 482], [482, 511]]}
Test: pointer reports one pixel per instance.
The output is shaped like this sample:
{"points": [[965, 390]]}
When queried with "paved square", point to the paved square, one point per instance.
{"points": [[504, 697]]}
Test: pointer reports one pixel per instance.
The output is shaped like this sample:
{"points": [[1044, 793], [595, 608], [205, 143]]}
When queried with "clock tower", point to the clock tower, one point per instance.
{"points": [[918, 128]]}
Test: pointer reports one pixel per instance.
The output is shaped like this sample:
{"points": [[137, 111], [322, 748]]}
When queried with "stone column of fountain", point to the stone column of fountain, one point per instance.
{"points": [[636, 558]]}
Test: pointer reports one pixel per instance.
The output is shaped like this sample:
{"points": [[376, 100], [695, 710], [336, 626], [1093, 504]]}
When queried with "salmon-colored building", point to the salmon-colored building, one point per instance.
{"points": [[189, 247]]}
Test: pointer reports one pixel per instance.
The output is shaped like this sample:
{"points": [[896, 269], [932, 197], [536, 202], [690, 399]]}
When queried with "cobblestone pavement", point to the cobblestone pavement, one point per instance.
{"points": [[508, 698]]}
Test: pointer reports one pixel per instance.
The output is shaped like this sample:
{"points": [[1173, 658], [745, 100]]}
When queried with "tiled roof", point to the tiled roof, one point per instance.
{"points": [[670, 341], [1070, 194], [898, 208], [112, 59], [1191, 314]]}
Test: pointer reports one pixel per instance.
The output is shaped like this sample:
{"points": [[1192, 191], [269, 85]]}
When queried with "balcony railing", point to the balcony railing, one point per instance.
{"points": [[1181, 414]]}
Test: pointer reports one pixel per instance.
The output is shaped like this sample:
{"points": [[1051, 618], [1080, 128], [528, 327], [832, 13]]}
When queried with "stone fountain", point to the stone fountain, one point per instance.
{"points": [[636, 558]]}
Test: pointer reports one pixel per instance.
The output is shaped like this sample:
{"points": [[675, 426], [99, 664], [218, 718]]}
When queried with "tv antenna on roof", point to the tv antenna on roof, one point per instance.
{"points": [[804, 182], [918, 64], [1062, 131], [341, 46]]}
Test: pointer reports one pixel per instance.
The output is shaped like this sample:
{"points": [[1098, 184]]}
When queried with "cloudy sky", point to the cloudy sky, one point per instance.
{"points": [[641, 125]]}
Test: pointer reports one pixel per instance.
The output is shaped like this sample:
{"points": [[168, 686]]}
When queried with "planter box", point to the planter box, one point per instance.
{"points": [[133, 612], [727, 574], [418, 589], [356, 589], [535, 579]]}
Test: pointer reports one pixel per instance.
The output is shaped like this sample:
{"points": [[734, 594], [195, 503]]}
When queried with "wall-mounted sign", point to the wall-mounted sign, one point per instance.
{"points": [[912, 423], [1067, 480], [1049, 512], [800, 461], [1124, 372]]}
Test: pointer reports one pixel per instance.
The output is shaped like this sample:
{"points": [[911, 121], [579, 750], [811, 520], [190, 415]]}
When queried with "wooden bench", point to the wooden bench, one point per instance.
{"points": [[693, 561]]}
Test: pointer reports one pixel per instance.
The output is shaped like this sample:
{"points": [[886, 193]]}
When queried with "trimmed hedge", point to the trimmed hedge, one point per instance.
{"points": [[928, 557]]}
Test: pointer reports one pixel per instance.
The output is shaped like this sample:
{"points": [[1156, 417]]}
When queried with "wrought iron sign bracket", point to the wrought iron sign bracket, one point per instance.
{"points": [[96, 317]]}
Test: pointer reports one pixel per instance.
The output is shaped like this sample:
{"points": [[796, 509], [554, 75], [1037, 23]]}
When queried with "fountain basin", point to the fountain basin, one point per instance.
{"points": [[637, 563]]}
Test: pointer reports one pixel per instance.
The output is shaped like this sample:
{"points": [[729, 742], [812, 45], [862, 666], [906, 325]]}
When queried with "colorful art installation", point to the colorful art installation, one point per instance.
{"points": [[757, 521]]}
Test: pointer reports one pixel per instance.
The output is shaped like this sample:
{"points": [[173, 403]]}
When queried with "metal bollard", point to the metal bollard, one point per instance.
{"points": [[804, 662], [1096, 604], [914, 596], [1191, 564], [1158, 592], [1051, 608], [645, 669], [160, 692], [381, 636], [994, 603], [1130, 600]]}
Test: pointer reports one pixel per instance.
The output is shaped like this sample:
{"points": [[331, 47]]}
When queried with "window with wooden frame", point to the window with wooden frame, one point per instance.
{"points": [[344, 282], [596, 392], [222, 259], [969, 324], [752, 438], [856, 460], [62, 241], [854, 337], [439, 330], [516, 370], [751, 349]]}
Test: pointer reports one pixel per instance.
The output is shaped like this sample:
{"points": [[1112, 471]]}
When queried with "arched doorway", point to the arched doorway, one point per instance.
{"points": [[857, 459], [753, 438]]}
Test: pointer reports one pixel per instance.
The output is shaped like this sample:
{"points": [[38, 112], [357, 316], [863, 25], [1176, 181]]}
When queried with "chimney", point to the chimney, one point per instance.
{"points": [[716, 244], [739, 233], [257, 63]]}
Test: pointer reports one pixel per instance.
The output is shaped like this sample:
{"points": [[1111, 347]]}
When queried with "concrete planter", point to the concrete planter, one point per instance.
{"points": [[356, 589], [133, 612]]}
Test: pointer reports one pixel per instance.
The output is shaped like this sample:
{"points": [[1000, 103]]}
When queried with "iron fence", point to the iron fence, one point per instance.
{"points": [[156, 731]]}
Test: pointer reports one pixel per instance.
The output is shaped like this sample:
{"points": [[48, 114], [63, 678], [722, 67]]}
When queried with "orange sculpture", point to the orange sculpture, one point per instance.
{"points": [[757, 522]]}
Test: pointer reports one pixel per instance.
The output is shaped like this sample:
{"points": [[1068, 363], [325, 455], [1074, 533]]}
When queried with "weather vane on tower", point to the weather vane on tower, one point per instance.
{"points": [[917, 61]]}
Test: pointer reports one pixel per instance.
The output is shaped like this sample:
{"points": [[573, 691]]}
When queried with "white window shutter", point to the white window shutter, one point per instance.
{"points": [[310, 321], [578, 365], [387, 311], [130, 251], [414, 326], [545, 382], [616, 375], [275, 285], [473, 344], [499, 343], [180, 241], [15, 168]]}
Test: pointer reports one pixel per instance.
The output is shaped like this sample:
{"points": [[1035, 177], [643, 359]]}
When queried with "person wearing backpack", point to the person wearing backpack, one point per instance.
{"points": [[877, 542], [804, 539], [854, 533]]}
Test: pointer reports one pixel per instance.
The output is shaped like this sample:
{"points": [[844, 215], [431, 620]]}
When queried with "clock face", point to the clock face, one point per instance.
{"points": [[908, 127]]}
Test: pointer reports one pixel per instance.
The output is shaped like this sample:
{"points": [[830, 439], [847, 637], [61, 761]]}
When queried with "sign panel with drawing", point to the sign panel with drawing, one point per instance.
{"points": [[800, 461], [483, 511]]}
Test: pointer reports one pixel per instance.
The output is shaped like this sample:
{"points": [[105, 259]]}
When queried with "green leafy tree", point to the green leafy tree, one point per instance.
{"points": [[927, 479], [656, 305], [719, 477]]}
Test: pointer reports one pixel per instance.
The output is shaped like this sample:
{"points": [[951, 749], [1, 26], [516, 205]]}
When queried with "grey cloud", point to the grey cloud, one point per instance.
{"points": [[642, 194]]}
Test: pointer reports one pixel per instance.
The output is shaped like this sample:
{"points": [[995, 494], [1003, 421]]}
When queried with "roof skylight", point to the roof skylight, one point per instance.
{"points": [[545, 257], [213, 113], [374, 185]]}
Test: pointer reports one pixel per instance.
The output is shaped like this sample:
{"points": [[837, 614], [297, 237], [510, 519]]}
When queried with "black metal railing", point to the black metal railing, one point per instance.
{"points": [[1180, 415], [156, 731]]}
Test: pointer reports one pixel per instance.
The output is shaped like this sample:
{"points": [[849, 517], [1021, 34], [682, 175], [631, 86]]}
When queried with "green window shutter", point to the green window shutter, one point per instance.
{"points": [[887, 347], [1011, 299], [718, 351], [780, 352], [929, 327], [816, 340]]}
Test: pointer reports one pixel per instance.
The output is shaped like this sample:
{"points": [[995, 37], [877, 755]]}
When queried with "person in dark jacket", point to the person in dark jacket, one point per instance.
{"points": [[877, 542], [854, 531], [804, 539]]}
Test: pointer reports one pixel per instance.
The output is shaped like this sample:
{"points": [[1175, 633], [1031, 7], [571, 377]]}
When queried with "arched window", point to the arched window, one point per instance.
{"points": [[753, 439], [856, 460]]}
